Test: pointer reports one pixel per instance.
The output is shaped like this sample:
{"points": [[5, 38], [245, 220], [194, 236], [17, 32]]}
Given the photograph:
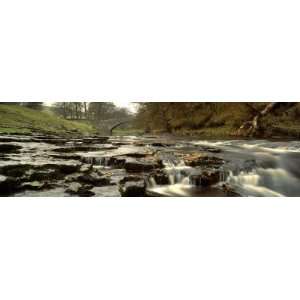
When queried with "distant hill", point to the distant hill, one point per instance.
{"points": [[18, 119]]}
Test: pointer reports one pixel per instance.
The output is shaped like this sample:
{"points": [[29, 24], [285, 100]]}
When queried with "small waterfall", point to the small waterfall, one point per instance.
{"points": [[265, 182], [151, 182], [97, 161], [176, 170], [195, 180]]}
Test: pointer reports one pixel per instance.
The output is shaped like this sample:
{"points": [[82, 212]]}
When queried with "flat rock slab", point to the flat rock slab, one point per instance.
{"points": [[76, 188], [84, 149], [135, 166]]}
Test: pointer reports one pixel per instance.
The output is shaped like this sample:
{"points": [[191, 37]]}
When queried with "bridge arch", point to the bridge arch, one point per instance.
{"points": [[117, 125], [106, 127]]}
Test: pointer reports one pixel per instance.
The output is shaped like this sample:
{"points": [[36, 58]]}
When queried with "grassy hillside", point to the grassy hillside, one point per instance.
{"points": [[18, 119]]}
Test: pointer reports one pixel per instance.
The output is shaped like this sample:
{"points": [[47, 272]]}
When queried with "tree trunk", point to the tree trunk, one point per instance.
{"points": [[250, 128]]}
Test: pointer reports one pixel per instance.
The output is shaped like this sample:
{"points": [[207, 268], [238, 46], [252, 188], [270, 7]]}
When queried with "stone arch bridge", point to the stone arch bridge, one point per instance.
{"points": [[107, 127]]}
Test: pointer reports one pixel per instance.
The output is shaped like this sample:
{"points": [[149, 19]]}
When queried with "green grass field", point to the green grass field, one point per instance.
{"points": [[18, 119]]}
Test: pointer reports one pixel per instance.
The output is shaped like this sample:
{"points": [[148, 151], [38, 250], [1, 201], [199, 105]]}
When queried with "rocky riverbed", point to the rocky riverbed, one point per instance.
{"points": [[42, 165]]}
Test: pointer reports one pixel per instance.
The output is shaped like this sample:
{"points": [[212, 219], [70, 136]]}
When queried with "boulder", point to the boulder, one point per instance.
{"points": [[205, 178], [132, 187], [160, 177]]}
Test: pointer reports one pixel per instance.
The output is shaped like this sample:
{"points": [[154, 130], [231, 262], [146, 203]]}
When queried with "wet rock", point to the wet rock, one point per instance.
{"points": [[116, 162], [249, 165], [95, 179], [73, 177], [106, 191], [9, 139], [86, 168], [161, 145], [20, 170], [131, 178], [34, 185], [76, 188], [132, 187], [66, 156], [97, 161], [9, 148], [94, 140], [120, 144], [230, 192], [115, 175], [137, 155], [83, 149], [160, 177], [139, 144], [211, 149], [196, 160], [7, 185], [66, 167], [205, 178], [40, 175], [136, 166], [17, 170]]}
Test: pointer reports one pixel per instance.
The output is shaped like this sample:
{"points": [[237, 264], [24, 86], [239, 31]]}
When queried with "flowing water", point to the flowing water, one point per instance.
{"points": [[252, 168], [249, 167]]}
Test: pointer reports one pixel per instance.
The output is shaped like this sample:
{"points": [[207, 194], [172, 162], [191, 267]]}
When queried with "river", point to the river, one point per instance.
{"points": [[147, 166]]}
